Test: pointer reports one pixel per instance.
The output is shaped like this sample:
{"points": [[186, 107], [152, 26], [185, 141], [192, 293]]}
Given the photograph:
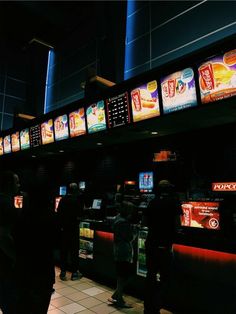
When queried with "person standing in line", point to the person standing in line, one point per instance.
{"points": [[161, 217], [70, 210], [124, 235], [9, 187], [35, 243]]}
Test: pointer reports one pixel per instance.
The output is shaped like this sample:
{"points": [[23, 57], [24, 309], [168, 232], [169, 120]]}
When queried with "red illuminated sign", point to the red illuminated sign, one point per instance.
{"points": [[224, 186]]}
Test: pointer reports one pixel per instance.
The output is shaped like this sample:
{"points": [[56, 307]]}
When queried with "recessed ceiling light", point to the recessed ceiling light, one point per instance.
{"points": [[33, 156], [99, 144], [154, 133], [61, 151]]}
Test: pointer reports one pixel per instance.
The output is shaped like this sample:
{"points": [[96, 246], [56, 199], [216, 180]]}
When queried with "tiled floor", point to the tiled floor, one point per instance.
{"points": [[85, 296]]}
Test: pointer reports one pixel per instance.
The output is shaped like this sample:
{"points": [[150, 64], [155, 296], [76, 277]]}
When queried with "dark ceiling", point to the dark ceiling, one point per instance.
{"points": [[49, 21]]}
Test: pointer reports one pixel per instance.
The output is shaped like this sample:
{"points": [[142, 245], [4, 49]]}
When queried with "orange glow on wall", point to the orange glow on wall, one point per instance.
{"points": [[130, 182]]}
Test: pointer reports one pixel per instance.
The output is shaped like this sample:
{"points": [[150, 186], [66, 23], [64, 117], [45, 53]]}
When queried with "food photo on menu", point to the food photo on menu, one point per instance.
{"points": [[217, 77], [15, 142], [145, 102], [61, 127], [96, 119], [178, 91], [1, 146], [7, 144], [77, 123], [47, 132], [24, 139]]}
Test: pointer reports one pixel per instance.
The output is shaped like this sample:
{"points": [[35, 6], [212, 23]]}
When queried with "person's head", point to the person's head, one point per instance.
{"points": [[126, 209], [9, 182], [73, 188], [164, 186]]}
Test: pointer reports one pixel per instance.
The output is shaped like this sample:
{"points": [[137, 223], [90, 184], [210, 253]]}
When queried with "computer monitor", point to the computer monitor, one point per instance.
{"points": [[62, 190], [97, 203], [82, 185]]}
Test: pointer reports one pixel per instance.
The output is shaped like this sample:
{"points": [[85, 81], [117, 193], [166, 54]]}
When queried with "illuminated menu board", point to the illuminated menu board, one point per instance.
{"points": [[61, 127], [35, 136], [217, 77], [77, 123], [47, 132], [203, 215], [118, 110], [145, 102], [15, 142], [7, 144], [1, 146], [178, 91], [95, 115], [24, 139]]}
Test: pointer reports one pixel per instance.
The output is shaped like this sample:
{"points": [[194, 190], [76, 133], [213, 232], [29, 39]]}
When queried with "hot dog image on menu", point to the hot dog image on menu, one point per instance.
{"points": [[47, 132], [217, 77], [145, 102], [178, 91]]}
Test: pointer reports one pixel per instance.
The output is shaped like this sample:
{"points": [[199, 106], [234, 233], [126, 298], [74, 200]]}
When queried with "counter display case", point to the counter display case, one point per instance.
{"points": [[141, 256], [86, 241]]}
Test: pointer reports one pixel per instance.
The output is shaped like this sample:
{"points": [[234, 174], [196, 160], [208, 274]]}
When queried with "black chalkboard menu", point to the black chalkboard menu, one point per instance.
{"points": [[35, 137], [118, 112]]}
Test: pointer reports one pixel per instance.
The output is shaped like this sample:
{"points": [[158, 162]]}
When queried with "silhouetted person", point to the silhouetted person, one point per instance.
{"points": [[69, 213], [161, 217], [9, 186], [35, 242], [124, 235]]}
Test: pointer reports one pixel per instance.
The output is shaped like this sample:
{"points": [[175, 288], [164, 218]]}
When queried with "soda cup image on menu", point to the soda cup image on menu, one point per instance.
{"points": [[171, 87], [207, 81], [136, 99], [187, 215]]}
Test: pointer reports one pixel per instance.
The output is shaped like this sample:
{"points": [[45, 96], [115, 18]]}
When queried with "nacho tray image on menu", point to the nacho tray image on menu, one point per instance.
{"points": [[217, 77]]}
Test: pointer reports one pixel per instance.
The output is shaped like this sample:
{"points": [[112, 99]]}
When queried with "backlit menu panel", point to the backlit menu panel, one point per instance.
{"points": [[217, 77], [61, 127], [47, 132], [178, 91], [35, 136], [15, 142], [95, 115], [118, 110], [7, 144], [77, 123], [145, 101], [1, 146], [24, 139]]}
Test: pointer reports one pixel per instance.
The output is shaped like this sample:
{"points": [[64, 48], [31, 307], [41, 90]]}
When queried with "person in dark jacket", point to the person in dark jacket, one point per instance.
{"points": [[161, 217], [9, 186], [124, 235], [35, 243], [69, 213]]}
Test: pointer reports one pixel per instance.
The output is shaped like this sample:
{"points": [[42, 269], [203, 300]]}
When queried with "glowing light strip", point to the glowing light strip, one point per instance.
{"points": [[47, 97]]}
